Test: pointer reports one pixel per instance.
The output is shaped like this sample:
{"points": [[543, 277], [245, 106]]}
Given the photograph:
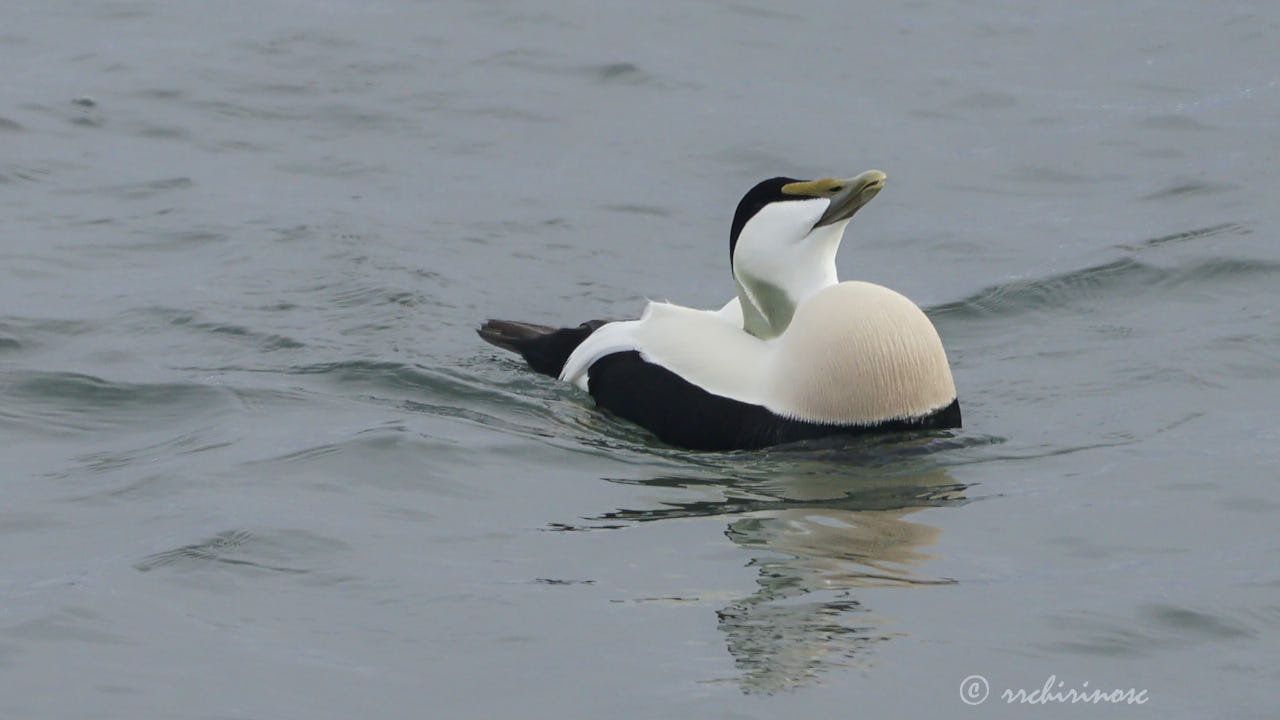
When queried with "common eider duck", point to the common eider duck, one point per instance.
{"points": [[796, 355]]}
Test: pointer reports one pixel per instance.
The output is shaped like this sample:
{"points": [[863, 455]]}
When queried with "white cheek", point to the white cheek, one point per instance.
{"points": [[771, 233]]}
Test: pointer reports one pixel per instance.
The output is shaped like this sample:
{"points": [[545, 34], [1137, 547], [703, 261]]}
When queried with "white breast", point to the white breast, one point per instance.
{"points": [[857, 352]]}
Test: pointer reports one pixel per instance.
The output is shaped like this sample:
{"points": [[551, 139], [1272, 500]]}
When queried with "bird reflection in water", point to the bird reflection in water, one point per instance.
{"points": [[818, 528]]}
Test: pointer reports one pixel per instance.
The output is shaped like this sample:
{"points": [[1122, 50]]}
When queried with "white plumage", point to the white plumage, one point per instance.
{"points": [[854, 353]]}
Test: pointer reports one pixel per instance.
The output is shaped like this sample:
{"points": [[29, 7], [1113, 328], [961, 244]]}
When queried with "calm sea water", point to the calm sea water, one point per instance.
{"points": [[255, 463]]}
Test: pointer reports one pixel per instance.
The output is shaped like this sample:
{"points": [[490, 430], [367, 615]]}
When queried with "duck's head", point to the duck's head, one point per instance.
{"points": [[784, 240]]}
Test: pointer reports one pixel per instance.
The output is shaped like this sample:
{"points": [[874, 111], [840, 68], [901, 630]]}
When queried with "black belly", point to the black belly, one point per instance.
{"points": [[681, 413]]}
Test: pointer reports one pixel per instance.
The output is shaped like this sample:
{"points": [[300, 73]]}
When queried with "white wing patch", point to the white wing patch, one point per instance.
{"points": [[609, 339], [706, 348]]}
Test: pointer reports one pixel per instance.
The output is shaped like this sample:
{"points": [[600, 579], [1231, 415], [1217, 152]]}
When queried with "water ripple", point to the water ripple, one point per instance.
{"points": [[69, 401], [240, 549], [1122, 277], [1157, 627]]}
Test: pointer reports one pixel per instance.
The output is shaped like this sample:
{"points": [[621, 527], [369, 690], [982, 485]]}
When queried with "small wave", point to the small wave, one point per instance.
{"points": [[21, 333], [422, 463], [619, 72], [245, 112], [1229, 228], [137, 191], [76, 402], [423, 381], [1119, 278], [636, 209], [206, 550], [263, 341], [368, 295], [1159, 627], [106, 461], [1192, 187], [181, 241], [445, 392], [272, 551]]}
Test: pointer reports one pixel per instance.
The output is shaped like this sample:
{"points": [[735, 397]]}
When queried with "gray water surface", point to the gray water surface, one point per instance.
{"points": [[255, 462]]}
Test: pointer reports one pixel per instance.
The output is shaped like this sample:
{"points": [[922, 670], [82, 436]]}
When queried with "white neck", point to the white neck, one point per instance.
{"points": [[774, 277]]}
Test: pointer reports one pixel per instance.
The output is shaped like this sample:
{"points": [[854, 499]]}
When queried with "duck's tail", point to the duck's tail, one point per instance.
{"points": [[545, 349]]}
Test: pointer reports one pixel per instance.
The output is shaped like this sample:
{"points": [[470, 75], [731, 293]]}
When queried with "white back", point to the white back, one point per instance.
{"points": [[696, 344], [731, 312]]}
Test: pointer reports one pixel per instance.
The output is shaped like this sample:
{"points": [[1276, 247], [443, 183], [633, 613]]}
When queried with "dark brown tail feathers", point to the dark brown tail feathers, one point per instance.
{"points": [[545, 349]]}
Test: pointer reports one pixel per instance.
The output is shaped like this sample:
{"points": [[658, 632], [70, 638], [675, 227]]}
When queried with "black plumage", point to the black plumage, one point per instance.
{"points": [[545, 349]]}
